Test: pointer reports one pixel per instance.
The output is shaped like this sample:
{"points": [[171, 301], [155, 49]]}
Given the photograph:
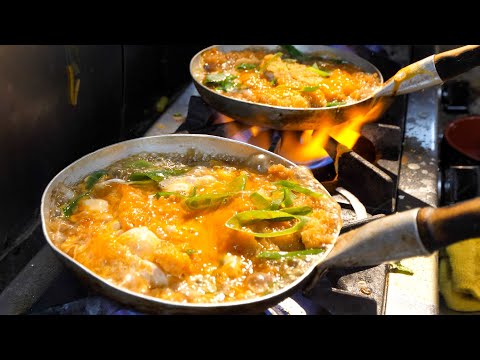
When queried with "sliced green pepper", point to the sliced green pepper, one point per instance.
{"points": [[288, 197], [298, 188], [267, 63], [221, 81], [310, 88], [298, 210], [336, 103], [277, 255], [398, 267], [200, 202], [283, 197], [246, 66], [319, 72], [240, 220], [260, 202], [277, 199], [293, 52], [93, 178], [71, 206], [157, 175], [238, 184]]}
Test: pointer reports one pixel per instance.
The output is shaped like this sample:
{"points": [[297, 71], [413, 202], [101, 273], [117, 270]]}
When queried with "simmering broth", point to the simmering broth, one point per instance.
{"points": [[193, 228]]}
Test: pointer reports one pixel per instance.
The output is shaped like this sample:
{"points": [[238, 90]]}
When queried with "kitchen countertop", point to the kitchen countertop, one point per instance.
{"points": [[417, 294]]}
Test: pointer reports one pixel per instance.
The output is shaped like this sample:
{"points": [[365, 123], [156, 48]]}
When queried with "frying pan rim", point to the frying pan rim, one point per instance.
{"points": [[285, 108], [159, 301]]}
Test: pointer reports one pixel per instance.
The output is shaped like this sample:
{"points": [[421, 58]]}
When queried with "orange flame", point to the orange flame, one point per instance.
{"points": [[308, 146], [219, 118], [261, 138], [255, 130], [254, 135], [348, 133], [222, 119], [303, 147]]}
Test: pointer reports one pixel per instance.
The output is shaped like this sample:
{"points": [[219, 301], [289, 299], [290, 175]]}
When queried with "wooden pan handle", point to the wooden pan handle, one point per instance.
{"points": [[447, 225], [457, 61]]}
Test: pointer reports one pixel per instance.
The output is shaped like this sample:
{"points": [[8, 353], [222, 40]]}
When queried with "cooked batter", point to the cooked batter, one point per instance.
{"points": [[278, 79]]}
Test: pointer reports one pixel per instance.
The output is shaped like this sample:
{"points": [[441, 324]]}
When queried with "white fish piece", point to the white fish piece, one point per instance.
{"points": [[232, 265], [141, 241], [185, 184], [95, 205], [153, 273], [143, 275]]}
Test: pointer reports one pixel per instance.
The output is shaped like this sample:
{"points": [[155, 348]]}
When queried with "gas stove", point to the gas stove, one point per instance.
{"points": [[392, 167]]}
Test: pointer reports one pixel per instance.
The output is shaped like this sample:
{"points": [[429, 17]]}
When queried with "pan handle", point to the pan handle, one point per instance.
{"points": [[457, 61], [431, 71], [415, 232], [441, 227]]}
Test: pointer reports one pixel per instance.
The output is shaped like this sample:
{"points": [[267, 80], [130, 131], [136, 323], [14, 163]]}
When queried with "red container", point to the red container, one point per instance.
{"points": [[463, 134]]}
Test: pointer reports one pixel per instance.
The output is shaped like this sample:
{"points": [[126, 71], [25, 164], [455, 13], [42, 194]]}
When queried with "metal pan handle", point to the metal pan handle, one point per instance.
{"points": [[432, 71], [445, 226], [457, 61], [415, 232]]}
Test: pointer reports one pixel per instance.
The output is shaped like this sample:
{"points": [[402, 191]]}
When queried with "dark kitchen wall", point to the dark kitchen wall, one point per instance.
{"points": [[43, 128], [153, 72]]}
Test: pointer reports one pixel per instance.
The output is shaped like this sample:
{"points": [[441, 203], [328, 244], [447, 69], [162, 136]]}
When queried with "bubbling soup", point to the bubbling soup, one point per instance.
{"points": [[193, 228]]}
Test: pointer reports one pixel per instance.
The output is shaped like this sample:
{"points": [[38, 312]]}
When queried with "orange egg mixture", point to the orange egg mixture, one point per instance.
{"points": [[280, 80], [197, 232]]}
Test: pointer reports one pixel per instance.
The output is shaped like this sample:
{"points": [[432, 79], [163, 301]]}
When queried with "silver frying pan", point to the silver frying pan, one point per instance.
{"points": [[411, 233], [425, 73]]}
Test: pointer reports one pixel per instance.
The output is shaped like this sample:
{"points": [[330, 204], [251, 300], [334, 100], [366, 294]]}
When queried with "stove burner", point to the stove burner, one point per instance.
{"points": [[372, 159]]}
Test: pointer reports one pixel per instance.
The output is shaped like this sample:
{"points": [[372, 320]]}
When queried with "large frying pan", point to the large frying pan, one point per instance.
{"points": [[425, 73], [411, 233]]}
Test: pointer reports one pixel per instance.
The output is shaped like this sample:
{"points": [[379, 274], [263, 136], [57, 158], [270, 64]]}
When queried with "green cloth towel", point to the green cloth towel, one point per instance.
{"points": [[460, 276]]}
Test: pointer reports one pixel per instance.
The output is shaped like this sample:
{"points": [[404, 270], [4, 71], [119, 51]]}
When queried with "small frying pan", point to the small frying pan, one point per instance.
{"points": [[405, 234], [425, 73]]}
